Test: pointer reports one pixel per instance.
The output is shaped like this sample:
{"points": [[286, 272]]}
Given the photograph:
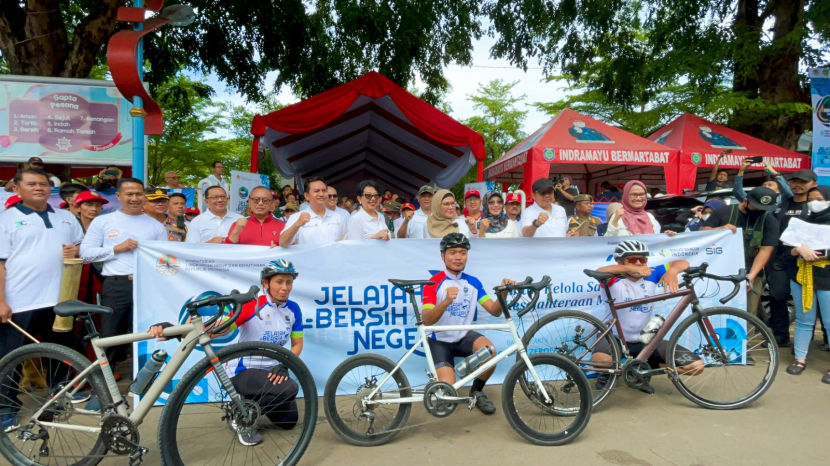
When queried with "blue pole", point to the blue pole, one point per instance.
{"points": [[138, 107]]}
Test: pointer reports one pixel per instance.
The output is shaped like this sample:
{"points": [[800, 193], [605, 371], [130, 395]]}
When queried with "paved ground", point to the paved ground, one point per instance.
{"points": [[787, 426]]}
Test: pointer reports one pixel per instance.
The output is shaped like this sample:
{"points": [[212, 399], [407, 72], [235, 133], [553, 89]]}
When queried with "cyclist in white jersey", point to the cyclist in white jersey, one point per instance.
{"points": [[453, 300], [258, 378]]}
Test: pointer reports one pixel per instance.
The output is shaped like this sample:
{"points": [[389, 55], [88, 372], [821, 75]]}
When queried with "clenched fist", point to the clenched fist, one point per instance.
{"points": [[543, 217], [305, 217], [452, 293], [240, 224]]}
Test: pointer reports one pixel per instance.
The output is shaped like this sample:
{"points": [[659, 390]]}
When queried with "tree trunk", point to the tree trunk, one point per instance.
{"points": [[35, 40]]}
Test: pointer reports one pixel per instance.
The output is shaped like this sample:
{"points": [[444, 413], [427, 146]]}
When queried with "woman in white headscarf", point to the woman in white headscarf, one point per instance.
{"points": [[494, 222]]}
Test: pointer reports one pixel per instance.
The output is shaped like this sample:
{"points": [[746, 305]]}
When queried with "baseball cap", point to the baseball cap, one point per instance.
{"points": [[291, 206], [426, 189], [583, 197], [35, 160], [12, 201], [407, 206], [63, 205], [193, 210], [513, 197], [471, 193], [156, 195], [542, 185], [762, 198], [714, 204], [804, 175], [392, 207], [88, 196]]}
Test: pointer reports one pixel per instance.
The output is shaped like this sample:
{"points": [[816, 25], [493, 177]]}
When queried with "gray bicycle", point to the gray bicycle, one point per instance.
{"points": [[202, 418]]}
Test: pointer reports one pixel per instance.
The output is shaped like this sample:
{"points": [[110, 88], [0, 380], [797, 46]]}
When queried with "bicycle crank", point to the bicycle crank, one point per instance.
{"points": [[634, 373], [441, 399]]}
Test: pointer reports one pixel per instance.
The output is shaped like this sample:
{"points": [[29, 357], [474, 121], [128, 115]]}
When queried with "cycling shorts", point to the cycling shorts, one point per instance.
{"points": [[444, 354], [683, 357]]}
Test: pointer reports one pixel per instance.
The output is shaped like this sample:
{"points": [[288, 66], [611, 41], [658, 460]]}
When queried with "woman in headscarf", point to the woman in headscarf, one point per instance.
{"points": [[632, 218], [494, 222], [810, 282], [444, 219]]}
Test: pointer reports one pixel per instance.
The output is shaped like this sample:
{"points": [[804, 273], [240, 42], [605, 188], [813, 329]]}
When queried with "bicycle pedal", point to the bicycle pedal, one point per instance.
{"points": [[137, 456], [472, 403]]}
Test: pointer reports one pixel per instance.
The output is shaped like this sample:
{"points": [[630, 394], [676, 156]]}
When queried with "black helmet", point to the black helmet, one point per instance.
{"points": [[454, 240], [279, 266]]}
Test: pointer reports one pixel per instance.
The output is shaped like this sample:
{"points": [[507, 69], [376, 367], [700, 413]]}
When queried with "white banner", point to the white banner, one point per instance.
{"points": [[349, 307], [241, 185], [820, 92]]}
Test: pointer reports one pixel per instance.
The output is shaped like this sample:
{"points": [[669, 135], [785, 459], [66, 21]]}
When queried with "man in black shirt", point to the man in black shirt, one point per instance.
{"points": [[761, 232], [718, 178], [800, 183], [565, 193]]}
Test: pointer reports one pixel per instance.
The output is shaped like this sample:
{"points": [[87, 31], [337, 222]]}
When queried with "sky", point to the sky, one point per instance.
{"points": [[464, 80]]}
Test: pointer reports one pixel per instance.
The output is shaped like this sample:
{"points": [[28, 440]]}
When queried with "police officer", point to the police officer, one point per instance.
{"points": [[582, 223]]}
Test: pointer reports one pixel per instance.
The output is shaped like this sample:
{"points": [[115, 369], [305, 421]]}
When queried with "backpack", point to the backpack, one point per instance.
{"points": [[753, 236]]}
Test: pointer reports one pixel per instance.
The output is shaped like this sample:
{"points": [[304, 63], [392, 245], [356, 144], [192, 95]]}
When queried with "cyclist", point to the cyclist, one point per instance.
{"points": [[641, 282], [282, 321], [452, 301]]}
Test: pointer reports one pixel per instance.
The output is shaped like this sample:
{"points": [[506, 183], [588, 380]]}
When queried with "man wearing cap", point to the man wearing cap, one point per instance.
{"points": [[760, 229], [608, 193], [156, 206], [565, 193], [190, 214], [393, 210], [472, 210], [261, 228], [213, 224], [112, 239], [800, 183], [413, 222], [406, 209], [582, 223], [290, 209], [544, 219], [513, 207], [37, 164]]}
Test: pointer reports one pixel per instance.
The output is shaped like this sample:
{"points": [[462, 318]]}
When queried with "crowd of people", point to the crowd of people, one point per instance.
{"points": [[36, 237]]}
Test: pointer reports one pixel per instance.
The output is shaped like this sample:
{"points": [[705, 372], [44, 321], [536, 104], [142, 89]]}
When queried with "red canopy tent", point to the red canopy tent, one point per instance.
{"points": [[700, 142], [572, 143], [369, 128]]}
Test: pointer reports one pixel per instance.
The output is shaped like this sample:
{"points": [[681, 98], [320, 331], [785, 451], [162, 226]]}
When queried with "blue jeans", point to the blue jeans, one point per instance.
{"points": [[805, 322]]}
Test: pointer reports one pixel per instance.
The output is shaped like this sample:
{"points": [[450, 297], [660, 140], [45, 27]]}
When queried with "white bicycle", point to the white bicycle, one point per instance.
{"points": [[545, 397]]}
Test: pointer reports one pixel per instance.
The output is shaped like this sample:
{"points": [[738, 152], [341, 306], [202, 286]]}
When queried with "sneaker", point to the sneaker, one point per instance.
{"points": [[10, 423], [250, 439], [94, 404], [483, 403], [602, 381], [826, 378], [80, 397]]}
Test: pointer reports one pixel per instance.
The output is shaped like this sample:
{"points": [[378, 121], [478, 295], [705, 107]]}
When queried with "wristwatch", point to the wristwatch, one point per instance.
{"points": [[534, 223]]}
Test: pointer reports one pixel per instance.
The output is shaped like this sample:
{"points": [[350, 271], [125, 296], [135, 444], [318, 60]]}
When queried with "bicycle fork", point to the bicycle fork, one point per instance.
{"points": [[227, 385]]}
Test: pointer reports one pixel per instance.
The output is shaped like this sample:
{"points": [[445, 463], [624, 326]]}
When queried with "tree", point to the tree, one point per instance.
{"points": [[755, 49], [499, 121], [313, 46]]}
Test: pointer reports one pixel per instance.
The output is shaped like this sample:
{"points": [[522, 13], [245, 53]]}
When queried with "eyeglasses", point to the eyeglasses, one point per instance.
{"points": [[259, 200], [371, 197], [636, 260], [636, 195], [218, 198], [332, 196], [172, 177]]}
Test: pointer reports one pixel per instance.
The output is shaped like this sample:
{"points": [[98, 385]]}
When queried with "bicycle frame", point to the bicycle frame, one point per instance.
{"points": [[192, 334], [422, 332]]}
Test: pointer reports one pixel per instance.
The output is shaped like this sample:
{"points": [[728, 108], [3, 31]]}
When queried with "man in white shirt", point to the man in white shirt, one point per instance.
{"points": [[214, 179], [472, 210], [34, 240], [414, 222], [318, 225], [172, 179], [111, 239], [331, 204], [214, 224], [544, 219]]}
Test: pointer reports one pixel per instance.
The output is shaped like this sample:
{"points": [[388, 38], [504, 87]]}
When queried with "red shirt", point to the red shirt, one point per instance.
{"points": [[260, 234]]}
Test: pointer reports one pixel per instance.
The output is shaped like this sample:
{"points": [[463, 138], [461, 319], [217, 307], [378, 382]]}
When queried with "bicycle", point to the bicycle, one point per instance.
{"points": [[735, 346], [53, 429], [368, 397]]}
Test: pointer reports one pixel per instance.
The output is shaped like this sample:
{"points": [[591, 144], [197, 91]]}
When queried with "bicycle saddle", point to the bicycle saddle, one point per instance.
{"points": [[601, 276], [75, 307], [406, 283]]}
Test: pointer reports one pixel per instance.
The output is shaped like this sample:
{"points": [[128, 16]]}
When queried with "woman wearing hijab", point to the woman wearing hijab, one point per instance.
{"points": [[444, 219], [810, 282], [632, 218], [494, 222]]}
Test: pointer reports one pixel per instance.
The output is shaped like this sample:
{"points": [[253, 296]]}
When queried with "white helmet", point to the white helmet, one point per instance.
{"points": [[630, 248]]}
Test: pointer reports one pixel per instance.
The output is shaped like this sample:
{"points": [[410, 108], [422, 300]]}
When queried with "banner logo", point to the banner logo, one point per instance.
{"points": [[550, 154], [243, 193], [823, 110], [167, 265], [696, 158]]}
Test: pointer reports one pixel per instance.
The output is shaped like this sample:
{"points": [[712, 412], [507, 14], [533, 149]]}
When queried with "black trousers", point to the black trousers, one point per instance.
{"points": [[38, 323], [779, 293], [117, 294], [276, 401]]}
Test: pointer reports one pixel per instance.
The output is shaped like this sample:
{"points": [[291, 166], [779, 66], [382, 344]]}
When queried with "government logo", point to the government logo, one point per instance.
{"points": [[696, 158], [550, 154], [167, 265], [243, 193]]}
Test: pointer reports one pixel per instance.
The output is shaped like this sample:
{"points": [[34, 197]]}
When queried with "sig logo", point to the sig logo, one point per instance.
{"points": [[208, 312], [714, 250], [550, 154], [243, 193], [696, 158], [167, 265]]}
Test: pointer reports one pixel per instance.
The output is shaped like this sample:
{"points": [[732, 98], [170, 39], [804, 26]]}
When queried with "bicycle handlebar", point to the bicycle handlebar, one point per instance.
{"points": [[235, 297], [533, 291], [700, 272]]}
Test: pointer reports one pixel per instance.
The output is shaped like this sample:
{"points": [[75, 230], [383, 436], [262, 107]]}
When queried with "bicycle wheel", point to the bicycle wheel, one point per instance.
{"points": [[54, 367], [537, 420], [201, 424], [734, 378], [346, 388], [572, 334]]}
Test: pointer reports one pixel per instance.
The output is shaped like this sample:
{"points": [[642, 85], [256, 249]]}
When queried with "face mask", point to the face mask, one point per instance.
{"points": [[818, 206], [705, 216]]}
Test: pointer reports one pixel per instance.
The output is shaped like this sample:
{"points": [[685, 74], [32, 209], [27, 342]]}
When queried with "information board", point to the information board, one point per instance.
{"points": [[64, 121]]}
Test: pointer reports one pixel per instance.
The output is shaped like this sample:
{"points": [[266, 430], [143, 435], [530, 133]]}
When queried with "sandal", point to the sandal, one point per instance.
{"points": [[796, 367], [826, 378]]}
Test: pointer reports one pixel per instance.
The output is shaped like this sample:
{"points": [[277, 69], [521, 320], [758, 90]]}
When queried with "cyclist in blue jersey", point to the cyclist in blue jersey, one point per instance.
{"points": [[282, 321], [453, 301]]}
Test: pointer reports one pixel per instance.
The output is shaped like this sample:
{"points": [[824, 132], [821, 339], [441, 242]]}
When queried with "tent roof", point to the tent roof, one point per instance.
{"points": [[369, 128], [701, 141], [580, 144]]}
